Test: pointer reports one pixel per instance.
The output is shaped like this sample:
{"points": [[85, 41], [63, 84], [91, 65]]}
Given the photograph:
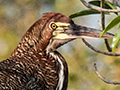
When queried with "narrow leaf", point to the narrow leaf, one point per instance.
{"points": [[108, 5], [111, 6], [113, 23], [84, 12], [116, 39], [97, 3]]}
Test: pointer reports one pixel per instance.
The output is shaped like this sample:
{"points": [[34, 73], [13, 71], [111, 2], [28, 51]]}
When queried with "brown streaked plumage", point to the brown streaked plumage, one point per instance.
{"points": [[35, 64]]}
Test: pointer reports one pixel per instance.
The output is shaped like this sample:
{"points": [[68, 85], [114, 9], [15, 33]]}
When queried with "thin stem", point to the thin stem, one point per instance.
{"points": [[99, 51], [102, 3], [98, 8], [104, 79]]}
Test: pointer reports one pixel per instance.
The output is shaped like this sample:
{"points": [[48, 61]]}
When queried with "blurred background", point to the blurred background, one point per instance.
{"points": [[16, 16]]}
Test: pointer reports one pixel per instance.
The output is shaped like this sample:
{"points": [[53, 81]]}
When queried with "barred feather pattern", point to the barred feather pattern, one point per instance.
{"points": [[29, 67], [30, 72]]}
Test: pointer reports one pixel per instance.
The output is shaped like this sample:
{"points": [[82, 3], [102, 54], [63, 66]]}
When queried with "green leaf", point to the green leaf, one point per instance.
{"points": [[97, 3], [116, 39], [113, 23], [111, 6], [108, 5], [84, 12]]}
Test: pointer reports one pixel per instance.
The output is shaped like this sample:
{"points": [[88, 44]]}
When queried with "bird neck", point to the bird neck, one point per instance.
{"points": [[29, 44]]}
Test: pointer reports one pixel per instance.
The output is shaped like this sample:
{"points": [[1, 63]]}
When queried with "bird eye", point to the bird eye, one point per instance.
{"points": [[53, 26]]}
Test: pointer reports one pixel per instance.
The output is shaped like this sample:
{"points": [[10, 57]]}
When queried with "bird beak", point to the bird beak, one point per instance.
{"points": [[73, 31]]}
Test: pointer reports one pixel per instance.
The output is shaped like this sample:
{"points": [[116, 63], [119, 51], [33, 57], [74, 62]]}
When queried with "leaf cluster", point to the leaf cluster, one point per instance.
{"points": [[112, 24]]}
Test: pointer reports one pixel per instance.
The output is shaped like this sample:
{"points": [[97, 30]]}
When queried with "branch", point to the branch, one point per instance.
{"points": [[103, 25], [115, 2], [98, 8], [99, 51], [104, 79]]}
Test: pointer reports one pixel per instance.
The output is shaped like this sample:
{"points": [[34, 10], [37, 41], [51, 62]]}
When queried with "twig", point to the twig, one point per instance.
{"points": [[98, 8], [108, 46], [104, 79], [99, 23], [103, 14], [99, 51]]}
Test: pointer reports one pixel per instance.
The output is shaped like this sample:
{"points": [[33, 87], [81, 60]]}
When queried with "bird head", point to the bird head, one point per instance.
{"points": [[54, 30]]}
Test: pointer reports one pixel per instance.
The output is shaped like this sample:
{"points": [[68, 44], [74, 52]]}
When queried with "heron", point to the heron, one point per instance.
{"points": [[35, 64]]}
